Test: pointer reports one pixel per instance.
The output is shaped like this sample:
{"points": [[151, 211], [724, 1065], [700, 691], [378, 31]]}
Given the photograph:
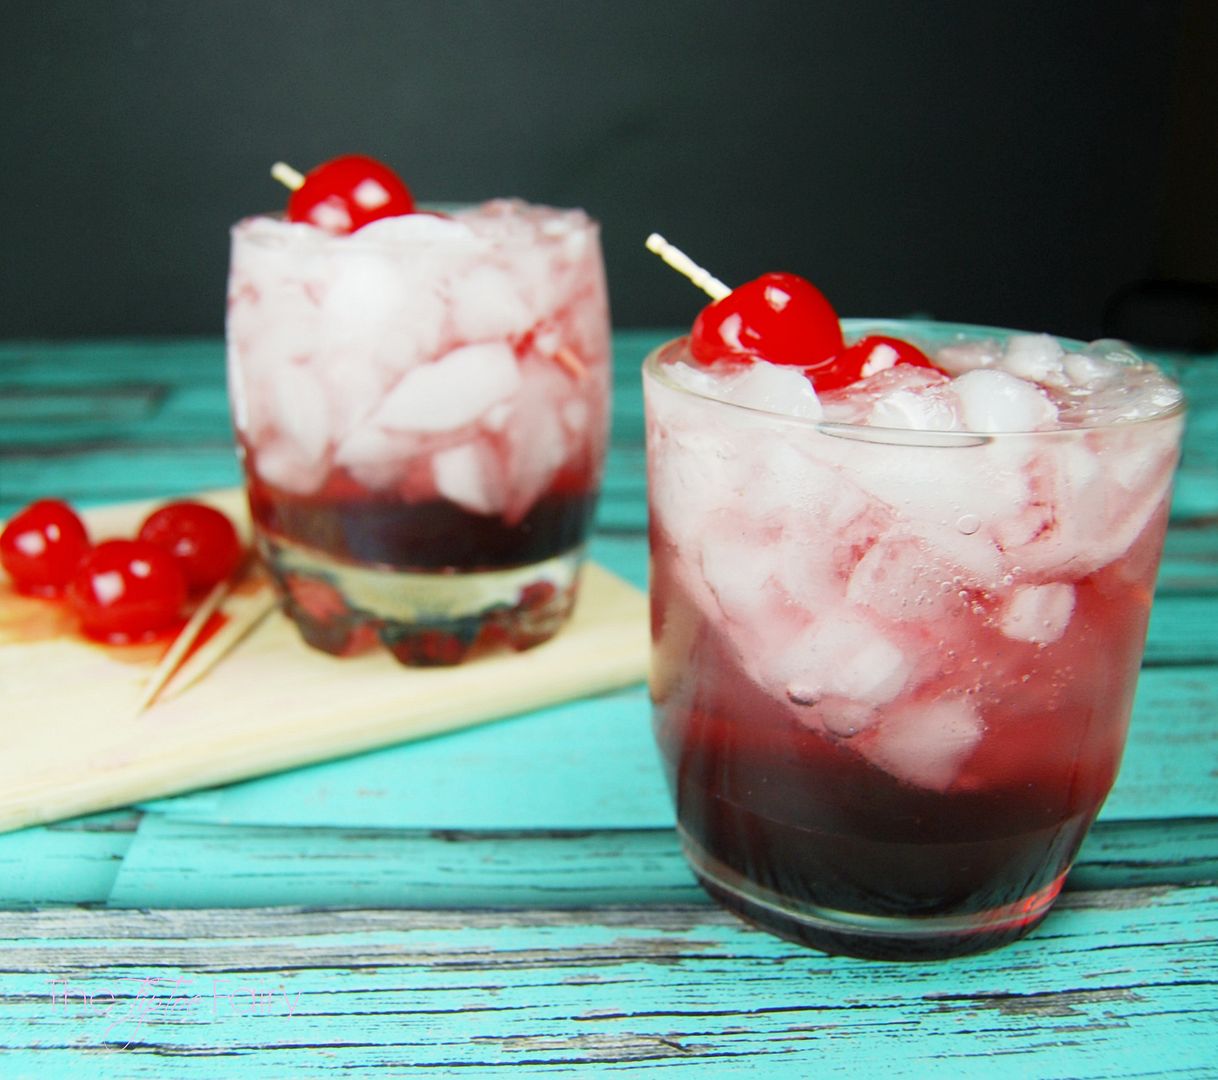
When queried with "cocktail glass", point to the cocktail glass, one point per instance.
{"points": [[893, 669], [421, 409]]}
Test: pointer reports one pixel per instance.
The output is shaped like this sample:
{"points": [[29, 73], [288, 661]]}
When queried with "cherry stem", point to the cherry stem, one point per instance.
{"points": [[287, 176], [683, 264]]}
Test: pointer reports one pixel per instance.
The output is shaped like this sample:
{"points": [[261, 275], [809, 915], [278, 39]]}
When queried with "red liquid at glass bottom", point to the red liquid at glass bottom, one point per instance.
{"points": [[792, 828], [345, 561]]}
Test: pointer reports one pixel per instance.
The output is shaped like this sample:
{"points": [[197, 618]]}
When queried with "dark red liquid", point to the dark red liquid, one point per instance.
{"points": [[347, 522], [807, 817], [311, 543]]}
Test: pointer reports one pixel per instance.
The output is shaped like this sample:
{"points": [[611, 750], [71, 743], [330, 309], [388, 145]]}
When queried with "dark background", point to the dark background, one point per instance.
{"points": [[1018, 163]]}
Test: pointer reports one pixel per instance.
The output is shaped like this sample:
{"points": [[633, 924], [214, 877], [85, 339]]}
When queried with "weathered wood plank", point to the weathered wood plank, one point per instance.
{"points": [[582, 993], [180, 863], [69, 862]]}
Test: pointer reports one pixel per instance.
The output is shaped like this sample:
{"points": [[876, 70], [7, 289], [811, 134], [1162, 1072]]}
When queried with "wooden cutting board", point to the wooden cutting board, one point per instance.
{"points": [[74, 741]]}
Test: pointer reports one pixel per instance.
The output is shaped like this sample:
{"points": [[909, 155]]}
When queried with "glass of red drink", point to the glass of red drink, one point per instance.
{"points": [[421, 408], [897, 626]]}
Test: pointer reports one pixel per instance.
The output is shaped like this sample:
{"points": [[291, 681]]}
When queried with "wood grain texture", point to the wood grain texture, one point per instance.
{"points": [[682, 989], [176, 864]]}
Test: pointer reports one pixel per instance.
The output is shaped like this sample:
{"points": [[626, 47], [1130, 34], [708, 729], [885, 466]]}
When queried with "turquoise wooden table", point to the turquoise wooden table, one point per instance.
{"points": [[514, 896]]}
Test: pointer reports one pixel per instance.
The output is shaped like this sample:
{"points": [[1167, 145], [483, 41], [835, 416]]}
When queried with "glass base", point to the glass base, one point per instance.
{"points": [[422, 618], [872, 937]]}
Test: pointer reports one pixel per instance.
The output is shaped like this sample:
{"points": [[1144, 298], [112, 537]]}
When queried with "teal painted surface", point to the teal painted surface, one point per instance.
{"points": [[581, 765], [176, 863], [666, 991], [548, 918], [69, 862]]}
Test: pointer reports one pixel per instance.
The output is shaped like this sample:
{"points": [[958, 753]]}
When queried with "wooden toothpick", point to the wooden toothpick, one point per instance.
{"points": [[287, 176], [683, 264], [171, 663]]}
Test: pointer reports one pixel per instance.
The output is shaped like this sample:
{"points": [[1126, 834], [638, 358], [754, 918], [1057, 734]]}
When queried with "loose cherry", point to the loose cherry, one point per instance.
{"points": [[866, 357], [127, 591], [199, 537], [778, 317], [345, 194], [42, 546]]}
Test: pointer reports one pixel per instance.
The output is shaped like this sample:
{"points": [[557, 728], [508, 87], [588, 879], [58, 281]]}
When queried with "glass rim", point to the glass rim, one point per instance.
{"points": [[890, 436], [320, 239]]}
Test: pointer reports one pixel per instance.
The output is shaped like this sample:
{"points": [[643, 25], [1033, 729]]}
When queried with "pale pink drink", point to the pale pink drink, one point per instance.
{"points": [[422, 409], [897, 627]]}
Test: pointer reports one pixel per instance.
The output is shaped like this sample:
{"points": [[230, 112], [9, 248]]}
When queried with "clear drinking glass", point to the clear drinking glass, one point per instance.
{"points": [[421, 409], [893, 669]]}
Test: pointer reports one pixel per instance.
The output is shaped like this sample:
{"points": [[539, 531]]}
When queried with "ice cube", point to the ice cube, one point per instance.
{"points": [[417, 231], [854, 404], [964, 356], [845, 719], [773, 387], [1038, 613], [736, 567], [781, 481], [998, 401], [694, 469], [1036, 358], [488, 305], [698, 380], [757, 385], [536, 451], [279, 461], [1090, 370], [919, 574], [936, 484], [469, 475], [451, 392], [363, 293], [355, 390], [924, 744], [931, 410], [301, 412], [375, 457], [841, 655]]}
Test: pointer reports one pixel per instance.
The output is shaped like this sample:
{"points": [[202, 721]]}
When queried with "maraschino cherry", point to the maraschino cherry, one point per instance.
{"points": [[866, 357], [345, 193], [42, 546], [201, 539], [778, 317], [784, 319], [127, 591]]}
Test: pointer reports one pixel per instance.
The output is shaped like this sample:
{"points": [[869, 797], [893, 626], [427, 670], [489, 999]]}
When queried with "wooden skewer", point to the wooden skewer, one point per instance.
{"points": [[683, 264], [225, 640], [186, 637], [287, 176], [574, 365]]}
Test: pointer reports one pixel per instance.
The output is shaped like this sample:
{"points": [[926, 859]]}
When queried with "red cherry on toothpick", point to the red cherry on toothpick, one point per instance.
{"points": [[127, 591], [778, 317], [345, 194], [200, 538], [42, 546], [865, 357]]}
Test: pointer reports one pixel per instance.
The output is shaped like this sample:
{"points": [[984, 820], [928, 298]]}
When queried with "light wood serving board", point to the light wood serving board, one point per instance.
{"points": [[73, 742]]}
